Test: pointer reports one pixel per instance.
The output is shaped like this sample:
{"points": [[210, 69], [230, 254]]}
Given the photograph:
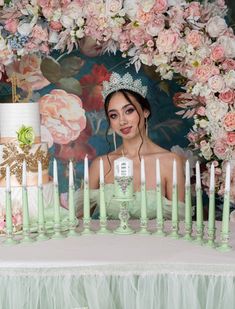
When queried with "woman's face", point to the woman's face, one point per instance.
{"points": [[126, 119]]}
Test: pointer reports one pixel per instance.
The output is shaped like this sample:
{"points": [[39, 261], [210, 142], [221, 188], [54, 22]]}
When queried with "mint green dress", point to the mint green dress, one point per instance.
{"points": [[112, 206]]}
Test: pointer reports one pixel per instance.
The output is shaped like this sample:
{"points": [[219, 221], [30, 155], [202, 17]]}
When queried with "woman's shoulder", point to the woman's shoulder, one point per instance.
{"points": [[164, 155]]}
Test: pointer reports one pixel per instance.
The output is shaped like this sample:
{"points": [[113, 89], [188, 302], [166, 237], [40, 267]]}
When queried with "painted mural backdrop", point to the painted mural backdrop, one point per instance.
{"points": [[68, 88]]}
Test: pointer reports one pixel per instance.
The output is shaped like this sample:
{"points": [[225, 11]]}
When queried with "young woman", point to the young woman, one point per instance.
{"points": [[128, 111]]}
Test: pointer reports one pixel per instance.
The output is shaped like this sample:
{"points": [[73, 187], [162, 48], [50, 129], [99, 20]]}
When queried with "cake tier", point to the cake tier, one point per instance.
{"points": [[14, 115], [13, 155]]}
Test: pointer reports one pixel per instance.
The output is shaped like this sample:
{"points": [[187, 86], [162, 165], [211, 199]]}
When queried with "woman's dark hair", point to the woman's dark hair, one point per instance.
{"points": [[144, 104]]}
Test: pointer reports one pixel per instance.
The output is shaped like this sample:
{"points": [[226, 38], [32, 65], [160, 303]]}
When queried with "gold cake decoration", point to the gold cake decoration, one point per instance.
{"points": [[14, 158]]}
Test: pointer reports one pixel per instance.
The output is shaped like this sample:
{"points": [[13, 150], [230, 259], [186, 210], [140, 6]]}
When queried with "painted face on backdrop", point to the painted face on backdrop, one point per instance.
{"points": [[126, 119]]}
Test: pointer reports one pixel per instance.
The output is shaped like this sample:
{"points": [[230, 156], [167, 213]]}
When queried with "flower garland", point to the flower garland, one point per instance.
{"points": [[175, 36]]}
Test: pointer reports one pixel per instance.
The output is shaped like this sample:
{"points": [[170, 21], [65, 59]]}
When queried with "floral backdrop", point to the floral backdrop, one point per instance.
{"points": [[189, 43]]}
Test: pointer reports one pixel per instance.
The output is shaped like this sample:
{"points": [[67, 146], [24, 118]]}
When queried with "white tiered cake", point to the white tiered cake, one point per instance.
{"points": [[14, 117]]}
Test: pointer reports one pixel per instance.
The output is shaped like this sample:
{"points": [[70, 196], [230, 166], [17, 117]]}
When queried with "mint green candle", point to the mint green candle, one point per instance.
{"points": [[56, 205], [72, 216], [26, 223], [102, 202], [9, 224], [226, 205], [143, 202]]}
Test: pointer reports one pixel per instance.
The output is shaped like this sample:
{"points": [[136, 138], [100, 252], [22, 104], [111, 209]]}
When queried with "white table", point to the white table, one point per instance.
{"points": [[117, 272]]}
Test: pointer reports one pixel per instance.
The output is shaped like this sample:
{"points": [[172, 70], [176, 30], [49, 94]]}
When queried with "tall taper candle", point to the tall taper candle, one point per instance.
{"points": [[86, 214], [199, 206], [102, 196], [143, 190], [226, 205], [9, 225], [25, 197], [56, 194], [71, 193], [159, 193], [188, 203], [174, 195], [211, 219]]}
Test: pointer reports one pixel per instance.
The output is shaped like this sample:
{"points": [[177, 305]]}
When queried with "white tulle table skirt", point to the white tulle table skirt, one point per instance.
{"points": [[116, 272]]}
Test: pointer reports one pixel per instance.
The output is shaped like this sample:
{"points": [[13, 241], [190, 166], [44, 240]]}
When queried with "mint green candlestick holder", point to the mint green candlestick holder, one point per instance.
{"points": [[41, 221], [211, 238], [160, 218], [124, 216], [73, 222], [57, 221], [174, 222], [9, 225], [103, 227], [143, 227], [26, 224], [224, 246], [87, 227]]}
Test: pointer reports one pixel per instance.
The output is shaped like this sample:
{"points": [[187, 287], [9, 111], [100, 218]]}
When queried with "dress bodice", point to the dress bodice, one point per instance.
{"points": [[112, 205]]}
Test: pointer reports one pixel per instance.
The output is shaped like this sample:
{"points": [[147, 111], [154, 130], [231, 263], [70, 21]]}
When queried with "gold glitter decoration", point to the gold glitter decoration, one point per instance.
{"points": [[14, 158], [18, 80]]}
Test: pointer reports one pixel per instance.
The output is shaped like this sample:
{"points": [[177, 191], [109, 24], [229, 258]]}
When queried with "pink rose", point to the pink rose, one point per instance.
{"points": [[192, 137], [231, 138], [144, 17], [63, 115], [217, 53], [204, 72], [156, 25], [216, 83], [228, 64], [194, 38], [11, 25], [229, 121], [201, 111], [113, 6], [39, 33], [160, 6], [215, 26], [220, 148], [193, 10], [29, 67], [55, 25], [139, 36], [227, 96], [168, 41]]}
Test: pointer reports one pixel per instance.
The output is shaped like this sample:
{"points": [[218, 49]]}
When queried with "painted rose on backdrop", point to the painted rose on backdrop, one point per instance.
{"points": [[78, 149], [92, 86], [63, 115], [29, 68]]}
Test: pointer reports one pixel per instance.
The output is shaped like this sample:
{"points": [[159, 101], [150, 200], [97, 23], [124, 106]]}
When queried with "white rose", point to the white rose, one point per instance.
{"points": [[2, 43], [25, 29], [80, 22], [79, 33], [216, 26], [229, 79], [216, 110], [56, 15], [130, 7], [176, 2], [147, 5], [216, 83], [160, 59], [67, 21], [202, 90], [112, 7], [203, 123], [228, 44], [168, 75], [53, 37], [206, 151]]}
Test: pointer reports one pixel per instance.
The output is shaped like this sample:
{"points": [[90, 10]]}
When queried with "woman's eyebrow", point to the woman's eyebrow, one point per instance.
{"points": [[114, 110]]}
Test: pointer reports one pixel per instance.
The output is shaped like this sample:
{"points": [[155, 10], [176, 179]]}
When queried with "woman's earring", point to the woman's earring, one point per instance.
{"points": [[146, 126], [114, 141]]}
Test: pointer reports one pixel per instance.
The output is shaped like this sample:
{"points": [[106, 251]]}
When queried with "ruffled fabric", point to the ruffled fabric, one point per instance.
{"points": [[112, 205]]}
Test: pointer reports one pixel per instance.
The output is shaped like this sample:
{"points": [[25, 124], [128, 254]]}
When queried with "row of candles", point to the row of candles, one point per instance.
{"points": [[103, 216]]}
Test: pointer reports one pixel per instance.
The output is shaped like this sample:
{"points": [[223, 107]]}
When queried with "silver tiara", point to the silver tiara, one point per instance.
{"points": [[127, 82]]}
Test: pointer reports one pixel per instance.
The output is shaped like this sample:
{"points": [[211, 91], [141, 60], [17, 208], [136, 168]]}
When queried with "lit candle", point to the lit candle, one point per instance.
{"points": [[143, 191], [86, 205], [55, 172], [39, 174], [211, 218], [199, 206], [188, 203], [24, 174]]}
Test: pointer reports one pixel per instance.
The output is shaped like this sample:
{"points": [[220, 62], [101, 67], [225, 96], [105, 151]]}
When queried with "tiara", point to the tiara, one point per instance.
{"points": [[127, 82]]}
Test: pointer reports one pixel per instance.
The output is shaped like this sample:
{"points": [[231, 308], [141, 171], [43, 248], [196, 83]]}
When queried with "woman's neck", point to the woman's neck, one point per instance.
{"points": [[135, 147]]}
